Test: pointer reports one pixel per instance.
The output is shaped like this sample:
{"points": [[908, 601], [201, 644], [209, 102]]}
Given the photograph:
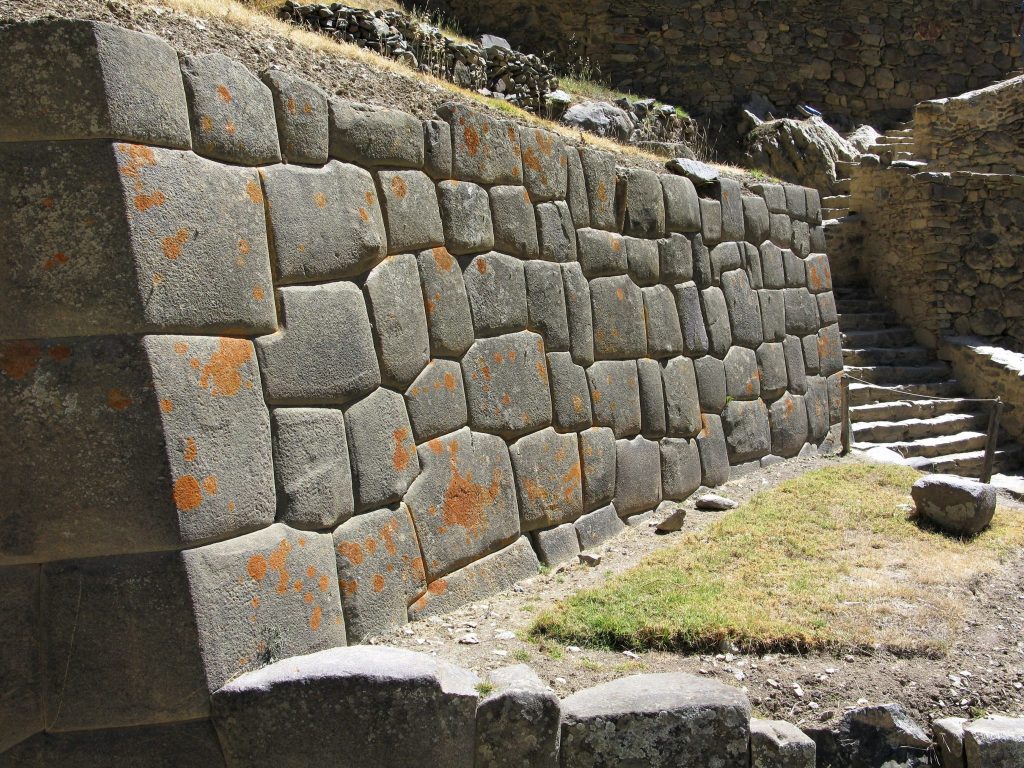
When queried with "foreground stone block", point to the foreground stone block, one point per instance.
{"points": [[615, 396], [675, 255], [601, 179], [515, 222], [747, 435], [714, 456], [466, 216], [507, 384], [680, 468], [556, 545], [411, 210], [948, 735], [597, 458], [716, 321], [545, 167], [399, 320], [576, 191], [519, 711], [577, 308], [645, 205], [21, 682], [373, 136], [955, 504], [382, 447], [744, 309], [437, 149], [637, 476], [682, 209], [276, 715], [545, 297], [496, 286], [601, 253], [555, 232], [778, 744], [302, 118], [597, 527], [682, 400], [691, 319], [656, 720], [664, 335], [485, 150], [570, 393], [619, 329], [771, 364], [787, 417], [546, 466], [994, 741], [436, 401], [449, 321]]}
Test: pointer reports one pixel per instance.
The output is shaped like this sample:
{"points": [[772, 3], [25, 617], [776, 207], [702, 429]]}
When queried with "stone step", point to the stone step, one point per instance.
{"points": [[841, 186], [969, 463], [916, 429], [901, 410], [892, 141], [913, 355], [899, 132], [835, 201], [867, 321], [856, 303], [865, 394], [900, 374], [904, 156], [931, 447], [900, 336], [832, 214]]}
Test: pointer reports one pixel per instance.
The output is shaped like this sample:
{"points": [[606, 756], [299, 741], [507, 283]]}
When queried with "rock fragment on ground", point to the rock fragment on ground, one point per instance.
{"points": [[955, 504], [715, 503]]}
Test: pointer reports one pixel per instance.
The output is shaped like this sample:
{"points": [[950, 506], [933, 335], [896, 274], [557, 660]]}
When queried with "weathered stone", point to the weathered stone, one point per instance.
{"points": [[676, 256], [618, 307], [374, 136], [570, 393], [642, 260], [742, 381], [581, 320], [324, 353], [810, 348], [496, 286], [75, 79], [710, 221], [507, 384], [691, 319], [576, 192], [302, 118], [615, 396], [435, 701], [795, 269], [485, 150], [645, 204], [711, 383], [801, 311], [995, 741], [637, 475], [751, 258], [520, 710], [413, 217], [557, 237], [600, 178], [437, 149], [830, 350], [382, 448], [701, 262], [955, 504], [774, 196], [747, 435], [466, 217], [20, 666], [827, 308], [835, 398], [324, 223], [546, 466], [680, 468], [714, 456], [712, 502], [557, 545], [601, 118], [544, 164], [728, 193], [436, 400], [801, 239], [773, 314], [601, 253], [778, 744], [701, 174], [597, 457], [664, 336], [755, 220], [682, 209], [771, 363], [773, 265], [744, 309], [669, 719], [449, 320], [380, 571], [652, 398], [788, 419], [872, 735], [716, 321], [230, 111], [312, 467], [673, 516], [176, 263], [545, 298], [724, 257], [816, 401], [399, 319], [682, 399], [170, 438], [597, 527], [515, 224], [948, 735], [792, 350], [780, 229]]}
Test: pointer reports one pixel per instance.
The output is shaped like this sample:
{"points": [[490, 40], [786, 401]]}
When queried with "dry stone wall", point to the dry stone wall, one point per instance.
{"points": [[280, 372]]}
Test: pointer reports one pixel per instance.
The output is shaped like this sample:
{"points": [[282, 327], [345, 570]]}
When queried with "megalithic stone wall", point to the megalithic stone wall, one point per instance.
{"points": [[280, 372]]}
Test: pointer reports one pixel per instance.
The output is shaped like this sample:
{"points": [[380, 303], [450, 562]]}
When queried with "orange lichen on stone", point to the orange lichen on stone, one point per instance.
{"points": [[481, 265], [290, 106], [172, 244], [187, 494], [278, 562], [254, 191], [442, 258], [255, 602], [371, 545], [307, 598], [465, 502], [58, 258], [351, 551], [210, 484], [472, 140], [145, 202], [348, 586], [530, 160], [577, 403], [166, 406], [243, 246], [205, 124], [224, 93], [435, 446], [59, 352], [370, 198], [364, 215], [437, 587], [258, 294], [230, 128], [222, 374], [418, 568], [118, 400], [378, 583], [191, 450], [387, 534], [46, 202], [324, 583], [398, 187], [320, 199], [401, 455], [602, 192], [257, 570], [136, 157], [315, 618]]}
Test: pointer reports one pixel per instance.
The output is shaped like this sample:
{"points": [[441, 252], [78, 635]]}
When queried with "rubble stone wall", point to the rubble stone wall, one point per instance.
{"points": [[870, 63], [279, 373]]}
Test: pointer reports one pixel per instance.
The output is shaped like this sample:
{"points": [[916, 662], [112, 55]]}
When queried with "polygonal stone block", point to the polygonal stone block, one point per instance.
{"points": [[21, 683], [410, 210], [615, 396], [182, 245], [744, 309], [645, 204], [437, 149], [819, 274], [773, 267], [576, 189], [711, 383], [324, 352], [302, 118], [577, 308], [755, 220], [741, 374], [466, 216], [751, 257], [780, 229], [817, 238], [546, 466], [399, 319], [324, 222], [601, 253], [680, 468], [827, 312], [724, 257], [519, 710], [312, 467], [637, 476], [682, 208], [835, 398], [507, 384], [816, 401], [597, 458], [773, 314], [449, 321], [515, 223], [380, 571], [600, 178], [812, 202], [801, 312], [810, 348], [795, 269], [643, 260], [597, 527], [710, 221], [484, 149], [787, 417], [796, 201], [570, 393], [545, 298], [728, 193], [382, 447], [801, 239], [774, 197], [557, 237], [702, 274], [747, 435], [170, 439], [675, 254], [778, 744], [664, 336], [771, 362], [682, 399], [231, 112], [544, 164], [994, 740], [373, 136], [652, 398], [792, 350], [716, 321], [496, 286], [618, 308], [556, 545], [691, 319], [714, 456], [436, 400]]}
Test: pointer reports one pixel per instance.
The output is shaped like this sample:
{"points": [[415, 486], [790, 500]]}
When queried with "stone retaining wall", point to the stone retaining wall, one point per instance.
{"points": [[279, 372], [990, 372]]}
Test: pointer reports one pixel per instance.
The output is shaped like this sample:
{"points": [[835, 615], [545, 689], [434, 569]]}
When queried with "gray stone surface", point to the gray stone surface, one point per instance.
{"points": [[701, 262], [747, 434], [276, 715], [484, 149], [801, 239], [755, 220], [545, 298], [871, 735], [801, 312], [714, 457], [955, 504], [774, 197], [778, 744], [773, 314], [576, 191], [449, 319], [691, 319], [796, 201], [302, 118], [742, 377], [716, 321], [597, 459], [751, 257], [437, 149], [21, 681], [682, 398], [637, 475], [795, 269], [411, 211], [466, 217], [656, 720], [676, 256], [948, 735], [793, 352], [380, 571], [710, 221], [556, 545], [230, 111], [581, 319], [830, 350], [664, 336], [600, 117], [780, 229], [827, 313], [788, 419], [382, 448], [773, 265], [324, 352], [597, 527], [399, 320], [771, 364], [545, 166], [994, 741], [464, 501], [517, 723], [682, 210], [711, 383], [600, 178], [680, 468], [816, 400], [744, 309], [728, 193], [555, 232], [74, 79], [324, 223], [697, 172], [645, 204], [514, 220], [507, 384], [436, 400], [601, 253], [618, 308], [496, 287], [643, 260], [724, 258], [570, 393], [374, 136], [615, 396], [652, 398], [549, 486], [311, 465]]}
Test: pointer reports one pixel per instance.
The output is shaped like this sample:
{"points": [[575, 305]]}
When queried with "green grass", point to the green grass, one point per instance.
{"points": [[829, 560]]}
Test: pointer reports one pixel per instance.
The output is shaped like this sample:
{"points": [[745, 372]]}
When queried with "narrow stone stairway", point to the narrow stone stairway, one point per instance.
{"points": [[894, 144], [947, 435]]}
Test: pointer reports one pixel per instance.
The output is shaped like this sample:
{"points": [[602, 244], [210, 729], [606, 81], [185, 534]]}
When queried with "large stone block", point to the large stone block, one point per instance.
{"points": [[702, 274], [436, 400], [507, 384], [21, 683], [680, 468], [744, 309], [957, 505], [816, 401], [792, 350], [728, 193], [724, 257], [597, 527], [755, 220], [819, 274], [324, 354], [787, 417], [519, 710], [714, 456], [485, 149], [231, 112], [711, 383], [682, 398], [570, 393], [545, 298], [751, 257], [716, 321], [615, 396], [642, 260], [324, 223], [778, 744], [545, 166], [576, 190], [276, 715], [399, 319], [801, 239], [801, 312], [794, 267], [691, 319], [773, 314], [742, 377], [810, 349], [619, 329], [664, 335], [464, 501], [311, 464], [827, 312], [376, 137], [515, 222], [645, 204], [774, 197], [581, 319], [556, 545], [118, 238], [411, 211], [380, 571], [682, 209], [780, 229], [549, 486], [601, 180], [496, 286], [164, 442], [437, 149], [771, 364], [652, 398], [830, 350], [710, 221], [466, 216], [657, 720], [994, 741], [382, 448], [557, 237], [302, 118], [773, 268], [747, 435], [76, 79], [597, 458], [601, 253], [449, 319], [676, 259], [637, 475]]}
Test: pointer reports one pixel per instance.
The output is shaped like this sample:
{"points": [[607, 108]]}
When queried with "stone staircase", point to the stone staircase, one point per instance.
{"points": [[947, 435], [894, 144]]}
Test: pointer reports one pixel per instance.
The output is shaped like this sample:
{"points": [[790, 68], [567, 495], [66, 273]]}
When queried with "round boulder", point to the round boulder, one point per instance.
{"points": [[955, 504]]}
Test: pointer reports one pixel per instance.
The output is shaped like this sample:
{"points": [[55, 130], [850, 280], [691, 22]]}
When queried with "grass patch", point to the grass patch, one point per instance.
{"points": [[832, 560]]}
